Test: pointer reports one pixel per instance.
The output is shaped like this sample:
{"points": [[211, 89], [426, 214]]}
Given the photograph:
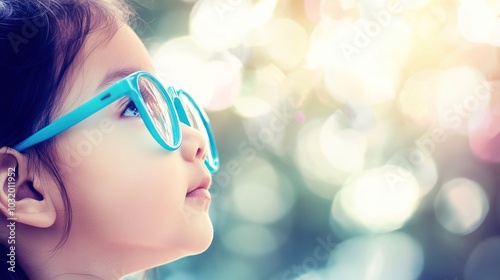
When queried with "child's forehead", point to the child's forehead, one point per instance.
{"points": [[101, 61]]}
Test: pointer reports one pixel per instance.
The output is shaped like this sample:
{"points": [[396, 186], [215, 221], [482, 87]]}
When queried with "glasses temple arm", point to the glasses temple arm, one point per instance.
{"points": [[67, 121]]}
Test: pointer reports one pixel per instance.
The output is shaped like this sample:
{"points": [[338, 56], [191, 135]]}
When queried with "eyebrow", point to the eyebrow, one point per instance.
{"points": [[114, 75]]}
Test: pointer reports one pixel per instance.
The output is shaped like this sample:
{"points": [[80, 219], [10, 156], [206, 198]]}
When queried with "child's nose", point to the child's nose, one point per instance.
{"points": [[193, 146]]}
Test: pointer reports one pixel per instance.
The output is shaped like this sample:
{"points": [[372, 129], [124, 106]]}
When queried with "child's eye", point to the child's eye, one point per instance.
{"points": [[131, 110]]}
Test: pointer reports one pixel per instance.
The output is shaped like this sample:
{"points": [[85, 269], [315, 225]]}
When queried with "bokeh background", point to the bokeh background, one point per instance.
{"points": [[359, 139]]}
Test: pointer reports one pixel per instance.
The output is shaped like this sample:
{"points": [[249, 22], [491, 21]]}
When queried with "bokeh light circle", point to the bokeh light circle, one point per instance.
{"points": [[394, 256], [380, 199], [461, 206], [250, 240], [260, 194], [281, 41], [462, 93], [418, 163], [181, 61], [483, 262], [344, 148], [313, 164], [478, 21]]}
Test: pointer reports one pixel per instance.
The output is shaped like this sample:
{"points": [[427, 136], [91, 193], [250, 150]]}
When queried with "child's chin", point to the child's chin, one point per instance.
{"points": [[205, 239]]}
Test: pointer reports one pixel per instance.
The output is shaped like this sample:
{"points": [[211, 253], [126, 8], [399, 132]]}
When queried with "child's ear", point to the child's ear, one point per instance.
{"points": [[22, 195]]}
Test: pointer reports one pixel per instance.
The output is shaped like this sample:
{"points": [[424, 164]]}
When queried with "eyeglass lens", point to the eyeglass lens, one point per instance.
{"points": [[197, 123], [156, 105], [157, 108]]}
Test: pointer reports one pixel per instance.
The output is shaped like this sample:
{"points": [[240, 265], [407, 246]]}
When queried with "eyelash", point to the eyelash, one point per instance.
{"points": [[130, 106]]}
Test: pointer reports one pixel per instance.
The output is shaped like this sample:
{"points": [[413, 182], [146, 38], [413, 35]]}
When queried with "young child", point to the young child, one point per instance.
{"points": [[104, 170]]}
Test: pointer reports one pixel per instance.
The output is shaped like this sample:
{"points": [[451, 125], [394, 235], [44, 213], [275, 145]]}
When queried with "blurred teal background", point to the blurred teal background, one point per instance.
{"points": [[359, 139]]}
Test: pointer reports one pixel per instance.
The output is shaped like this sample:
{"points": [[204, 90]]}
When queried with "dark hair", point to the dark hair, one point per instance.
{"points": [[39, 45]]}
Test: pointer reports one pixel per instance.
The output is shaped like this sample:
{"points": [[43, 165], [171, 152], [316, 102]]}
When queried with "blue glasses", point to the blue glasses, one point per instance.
{"points": [[161, 109]]}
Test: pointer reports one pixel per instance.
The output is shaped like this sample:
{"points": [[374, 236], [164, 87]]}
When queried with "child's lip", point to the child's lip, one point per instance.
{"points": [[199, 193], [204, 184]]}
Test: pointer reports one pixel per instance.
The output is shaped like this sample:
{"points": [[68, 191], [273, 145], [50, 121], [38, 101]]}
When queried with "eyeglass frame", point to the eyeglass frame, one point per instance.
{"points": [[129, 87]]}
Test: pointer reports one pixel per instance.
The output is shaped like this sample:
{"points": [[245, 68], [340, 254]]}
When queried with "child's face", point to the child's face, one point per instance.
{"points": [[127, 193]]}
